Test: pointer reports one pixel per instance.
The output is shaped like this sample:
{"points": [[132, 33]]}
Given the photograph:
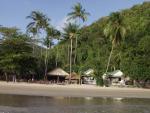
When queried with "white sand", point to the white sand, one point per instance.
{"points": [[71, 90]]}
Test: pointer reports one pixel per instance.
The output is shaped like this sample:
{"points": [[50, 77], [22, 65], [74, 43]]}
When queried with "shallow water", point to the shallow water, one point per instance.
{"points": [[34, 104]]}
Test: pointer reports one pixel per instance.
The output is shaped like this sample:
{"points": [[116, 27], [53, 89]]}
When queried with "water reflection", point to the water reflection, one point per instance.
{"points": [[33, 104]]}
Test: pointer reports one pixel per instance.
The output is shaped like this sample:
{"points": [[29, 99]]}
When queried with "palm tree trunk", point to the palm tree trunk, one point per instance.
{"points": [[109, 57], [75, 51], [70, 60], [76, 46], [56, 64], [46, 61], [45, 76], [33, 48], [41, 51], [49, 42], [56, 57]]}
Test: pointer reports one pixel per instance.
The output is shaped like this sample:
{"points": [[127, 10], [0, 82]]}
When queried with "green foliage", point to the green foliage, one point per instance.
{"points": [[70, 31], [16, 55], [132, 56], [93, 45], [40, 21], [78, 13], [8, 32], [115, 29]]}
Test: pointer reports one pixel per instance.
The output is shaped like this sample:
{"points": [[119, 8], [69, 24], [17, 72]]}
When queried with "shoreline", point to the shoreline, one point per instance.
{"points": [[53, 90]]}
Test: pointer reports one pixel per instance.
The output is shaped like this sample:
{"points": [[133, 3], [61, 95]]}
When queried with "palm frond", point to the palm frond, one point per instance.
{"points": [[78, 12]]}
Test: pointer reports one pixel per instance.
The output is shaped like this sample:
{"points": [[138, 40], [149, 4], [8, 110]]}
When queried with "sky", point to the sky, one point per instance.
{"points": [[13, 12]]}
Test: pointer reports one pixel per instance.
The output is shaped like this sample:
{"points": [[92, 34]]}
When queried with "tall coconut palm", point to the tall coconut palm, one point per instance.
{"points": [[116, 31], [33, 31], [48, 42], [57, 37], [78, 13], [52, 33], [39, 21], [70, 33]]}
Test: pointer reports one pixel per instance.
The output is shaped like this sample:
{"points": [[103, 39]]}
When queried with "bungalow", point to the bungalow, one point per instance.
{"points": [[114, 78], [57, 75], [75, 78], [88, 77]]}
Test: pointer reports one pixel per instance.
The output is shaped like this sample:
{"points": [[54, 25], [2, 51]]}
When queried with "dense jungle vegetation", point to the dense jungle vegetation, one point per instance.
{"points": [[87, 46]]}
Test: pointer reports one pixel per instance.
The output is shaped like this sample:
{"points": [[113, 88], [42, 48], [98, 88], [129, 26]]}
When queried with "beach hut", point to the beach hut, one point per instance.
{"points": [[115, 78], [88, 77], [75, 78], [57, 75]]}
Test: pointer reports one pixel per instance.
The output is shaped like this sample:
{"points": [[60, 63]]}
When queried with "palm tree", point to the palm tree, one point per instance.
{"points": [[116, 31], [58, 37], [78, 13], [70, 33], [33, 31], [48, 42], [52, 33], [39, 21]]}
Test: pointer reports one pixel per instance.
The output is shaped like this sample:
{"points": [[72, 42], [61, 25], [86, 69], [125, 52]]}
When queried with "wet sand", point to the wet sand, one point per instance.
{"points": [[71, 90]]}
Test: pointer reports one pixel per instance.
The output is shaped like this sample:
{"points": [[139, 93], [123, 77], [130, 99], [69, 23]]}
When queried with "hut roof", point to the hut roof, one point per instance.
{"points": [[58, 72], [89, 72], [116, 73]]}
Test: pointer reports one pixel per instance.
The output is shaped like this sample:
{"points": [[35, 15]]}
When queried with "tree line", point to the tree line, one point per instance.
{"points": [[118, 41]]}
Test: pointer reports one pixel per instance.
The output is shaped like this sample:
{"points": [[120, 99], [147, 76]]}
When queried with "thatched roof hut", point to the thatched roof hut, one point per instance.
{"points": [[58, 72], [74, 76], [57, 75]]}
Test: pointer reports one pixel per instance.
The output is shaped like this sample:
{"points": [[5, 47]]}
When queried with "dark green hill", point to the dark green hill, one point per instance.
{"points": [[133, 56]]}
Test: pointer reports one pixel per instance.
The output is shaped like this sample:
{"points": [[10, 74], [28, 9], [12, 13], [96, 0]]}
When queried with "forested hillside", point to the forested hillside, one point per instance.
{"points": [[132, 56], [118, 41]]}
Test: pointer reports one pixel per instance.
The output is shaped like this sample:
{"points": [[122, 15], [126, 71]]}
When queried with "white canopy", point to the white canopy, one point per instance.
{"points": [[89, 72], [116, 73]]}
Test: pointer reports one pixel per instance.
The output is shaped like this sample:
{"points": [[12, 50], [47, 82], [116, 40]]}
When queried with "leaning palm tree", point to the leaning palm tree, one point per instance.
{"points": [[78, 13], [116, 31], [39, 21], [70, 33]]}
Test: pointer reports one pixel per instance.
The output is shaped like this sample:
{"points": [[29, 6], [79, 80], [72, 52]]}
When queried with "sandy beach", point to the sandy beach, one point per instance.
{"points": [[71, 90]]}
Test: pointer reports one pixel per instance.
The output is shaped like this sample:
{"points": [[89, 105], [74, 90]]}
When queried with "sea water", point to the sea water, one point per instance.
{"points": [[35, 104]]}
